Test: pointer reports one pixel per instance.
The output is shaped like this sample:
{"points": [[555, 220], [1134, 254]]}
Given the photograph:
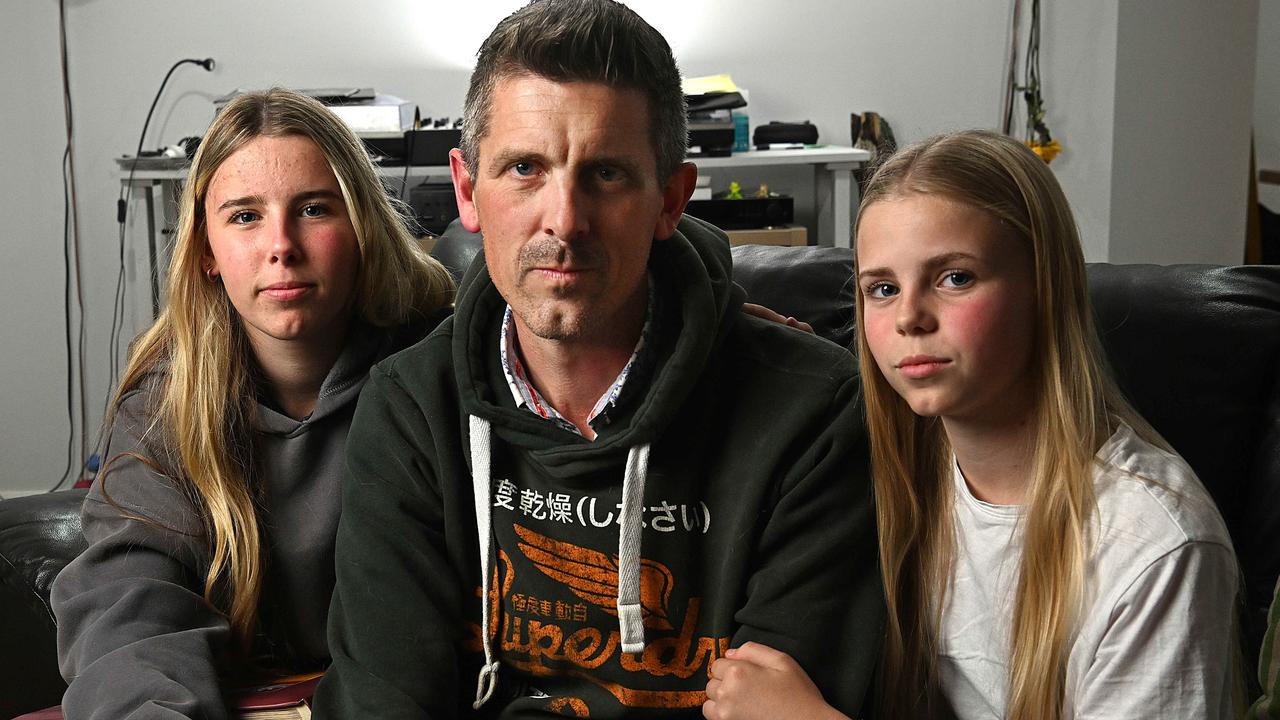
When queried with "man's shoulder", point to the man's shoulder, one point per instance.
{"points": [[422, 358], [771, 347]]}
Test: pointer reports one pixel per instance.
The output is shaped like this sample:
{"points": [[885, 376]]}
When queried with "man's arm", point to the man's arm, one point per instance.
{"points": [[394, 619], [816, 593]]}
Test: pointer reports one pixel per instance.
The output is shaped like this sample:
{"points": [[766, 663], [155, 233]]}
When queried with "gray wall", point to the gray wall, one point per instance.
{"points": [[927, 66], [1266, 111]]}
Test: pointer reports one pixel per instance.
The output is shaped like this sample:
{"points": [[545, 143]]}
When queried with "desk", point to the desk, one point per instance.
{"points": [[833, 167]]}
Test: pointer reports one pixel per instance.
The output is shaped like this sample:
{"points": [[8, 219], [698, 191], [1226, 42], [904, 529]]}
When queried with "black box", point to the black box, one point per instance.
{"points": [[744, 214], [433, 205], [426, 147]]}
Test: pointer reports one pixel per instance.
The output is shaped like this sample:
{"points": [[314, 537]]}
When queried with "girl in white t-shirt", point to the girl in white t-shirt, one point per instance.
{"points": [[1044, 553]]}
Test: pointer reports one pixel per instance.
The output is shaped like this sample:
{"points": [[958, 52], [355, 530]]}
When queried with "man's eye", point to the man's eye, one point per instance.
{"points": [[609, 174], [244, 217], [523, 169], [957, 279], [881, 290]]}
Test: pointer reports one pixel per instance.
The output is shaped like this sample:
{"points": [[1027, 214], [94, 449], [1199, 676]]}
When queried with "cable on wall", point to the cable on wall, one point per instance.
{"points": [[70, 261], [122, 214]]}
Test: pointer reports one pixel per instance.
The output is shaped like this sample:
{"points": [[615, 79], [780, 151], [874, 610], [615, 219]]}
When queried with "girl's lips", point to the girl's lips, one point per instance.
{"points": [[919, 367], [286, 291]]}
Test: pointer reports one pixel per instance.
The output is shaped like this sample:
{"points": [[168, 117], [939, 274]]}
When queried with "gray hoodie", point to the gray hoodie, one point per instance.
{"points": [[136, 638]]}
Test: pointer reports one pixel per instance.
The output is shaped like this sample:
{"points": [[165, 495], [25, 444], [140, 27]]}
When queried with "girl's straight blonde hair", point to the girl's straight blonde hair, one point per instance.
{"points": [[1076, 408], [197, 349]]}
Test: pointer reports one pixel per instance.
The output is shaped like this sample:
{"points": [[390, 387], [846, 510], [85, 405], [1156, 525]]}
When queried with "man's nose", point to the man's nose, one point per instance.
{"points": [[566, 215]]}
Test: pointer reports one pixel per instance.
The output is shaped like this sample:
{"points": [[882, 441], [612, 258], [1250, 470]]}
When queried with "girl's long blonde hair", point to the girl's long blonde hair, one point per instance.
{"points": [[197, 348], [1075, 410]]}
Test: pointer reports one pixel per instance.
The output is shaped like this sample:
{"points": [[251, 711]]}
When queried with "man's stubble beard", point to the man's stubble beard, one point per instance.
{"points": [[544, 316]]}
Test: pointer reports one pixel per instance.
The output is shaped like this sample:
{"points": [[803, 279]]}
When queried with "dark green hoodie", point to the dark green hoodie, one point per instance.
{"points": [[748, 515]]}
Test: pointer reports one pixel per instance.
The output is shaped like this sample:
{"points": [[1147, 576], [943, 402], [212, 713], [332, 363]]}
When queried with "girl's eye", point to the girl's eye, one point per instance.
{"points": [[315, 210], [881, 290], [244, 217], [957, 279]]}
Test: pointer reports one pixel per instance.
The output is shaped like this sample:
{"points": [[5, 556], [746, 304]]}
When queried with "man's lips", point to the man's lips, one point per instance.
{"points": [[560, 274], [921, 366], [286, 290]]}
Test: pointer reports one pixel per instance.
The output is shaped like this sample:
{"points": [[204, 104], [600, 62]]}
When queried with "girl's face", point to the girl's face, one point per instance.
{"points": [[282, 241], [948, 308]]}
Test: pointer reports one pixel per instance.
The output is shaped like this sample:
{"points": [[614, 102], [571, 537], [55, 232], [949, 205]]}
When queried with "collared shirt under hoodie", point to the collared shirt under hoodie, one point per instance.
{"points": [[135, 637], [527, 396], [753, 520]]}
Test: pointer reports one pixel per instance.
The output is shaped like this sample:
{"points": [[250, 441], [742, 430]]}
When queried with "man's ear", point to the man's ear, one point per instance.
{"points": [[675, 196], [464, 191]]}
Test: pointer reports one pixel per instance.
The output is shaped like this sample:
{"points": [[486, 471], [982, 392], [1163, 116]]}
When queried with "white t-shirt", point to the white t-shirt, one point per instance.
{"points": [[1155, 635]]}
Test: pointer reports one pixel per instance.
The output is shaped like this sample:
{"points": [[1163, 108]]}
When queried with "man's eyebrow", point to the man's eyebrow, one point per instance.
{"points": [[623, 162], [251, 200], [507, 157]]}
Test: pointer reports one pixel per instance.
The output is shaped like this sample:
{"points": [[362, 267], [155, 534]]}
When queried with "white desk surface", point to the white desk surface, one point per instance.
{"points": [[818, 155]]}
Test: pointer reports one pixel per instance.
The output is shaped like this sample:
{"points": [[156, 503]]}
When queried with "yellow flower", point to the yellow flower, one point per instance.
{"points": [[1047, 152]]}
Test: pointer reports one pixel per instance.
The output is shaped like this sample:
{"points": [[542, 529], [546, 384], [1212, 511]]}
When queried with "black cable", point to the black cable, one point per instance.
{"points": [[122, 214], [66, 314], [70, 250], [410, 137]]}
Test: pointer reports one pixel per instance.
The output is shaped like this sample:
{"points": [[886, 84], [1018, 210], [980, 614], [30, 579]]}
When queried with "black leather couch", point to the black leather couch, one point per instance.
{"points": [[1196, 347]]}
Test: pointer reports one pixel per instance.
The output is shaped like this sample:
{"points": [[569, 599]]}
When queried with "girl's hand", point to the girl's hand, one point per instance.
{"points": [[755, 681]]}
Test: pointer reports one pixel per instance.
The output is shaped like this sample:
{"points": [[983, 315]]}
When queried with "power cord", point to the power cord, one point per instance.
{"points": [[70, 250], [122, 213]]}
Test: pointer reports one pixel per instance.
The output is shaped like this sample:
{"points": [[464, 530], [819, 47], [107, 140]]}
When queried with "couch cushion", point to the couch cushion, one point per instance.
{"points": [[39, 535]]}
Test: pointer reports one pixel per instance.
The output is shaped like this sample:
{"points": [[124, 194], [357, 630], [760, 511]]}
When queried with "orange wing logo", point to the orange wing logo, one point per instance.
{"points": [[593, 576]]}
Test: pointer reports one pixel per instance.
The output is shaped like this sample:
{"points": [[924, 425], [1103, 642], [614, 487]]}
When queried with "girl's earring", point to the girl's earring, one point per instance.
{"points": [[210, 275]]}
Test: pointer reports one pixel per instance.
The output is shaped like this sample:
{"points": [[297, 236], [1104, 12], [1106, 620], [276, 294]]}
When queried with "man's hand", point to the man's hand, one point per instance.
{"points": [[755, 681], [765, 313]]}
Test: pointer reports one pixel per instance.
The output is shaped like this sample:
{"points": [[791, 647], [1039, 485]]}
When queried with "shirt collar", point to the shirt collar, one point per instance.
{"points": [[527, 396]]}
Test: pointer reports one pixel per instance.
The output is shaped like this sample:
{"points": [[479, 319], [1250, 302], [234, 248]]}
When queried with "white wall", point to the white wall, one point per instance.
{"points": [[1183, 114], [924, 65], [1077, 63], [1266, 109], [33, 424]]}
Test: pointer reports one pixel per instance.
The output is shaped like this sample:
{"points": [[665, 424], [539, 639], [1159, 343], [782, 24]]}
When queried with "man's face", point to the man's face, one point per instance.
{"points": [[567, 196]]}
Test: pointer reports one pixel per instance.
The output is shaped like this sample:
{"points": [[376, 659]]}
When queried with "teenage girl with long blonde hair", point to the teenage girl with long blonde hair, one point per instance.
{"points": [[1044, 553], [211, 527]]}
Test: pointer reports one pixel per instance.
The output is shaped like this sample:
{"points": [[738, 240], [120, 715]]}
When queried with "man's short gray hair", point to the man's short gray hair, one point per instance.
{"points": [[581, 41]]}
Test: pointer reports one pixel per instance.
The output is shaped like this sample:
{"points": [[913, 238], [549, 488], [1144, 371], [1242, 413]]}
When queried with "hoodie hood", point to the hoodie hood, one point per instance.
{"points": [[341, 386], [693, 268]]}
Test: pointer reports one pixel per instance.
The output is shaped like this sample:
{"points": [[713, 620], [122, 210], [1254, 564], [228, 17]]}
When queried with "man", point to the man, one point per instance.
{"points": [[599, 475]]}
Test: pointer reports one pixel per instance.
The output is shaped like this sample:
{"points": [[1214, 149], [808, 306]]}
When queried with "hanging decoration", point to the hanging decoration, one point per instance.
{"points": [[1038, 137]]}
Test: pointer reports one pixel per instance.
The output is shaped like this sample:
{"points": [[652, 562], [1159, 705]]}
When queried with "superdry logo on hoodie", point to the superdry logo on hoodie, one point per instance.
{"points": [[550, 635]]}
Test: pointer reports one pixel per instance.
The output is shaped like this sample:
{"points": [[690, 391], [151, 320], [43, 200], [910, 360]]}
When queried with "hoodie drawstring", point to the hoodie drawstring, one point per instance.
{"points": [[631, 518], [488, 679], [630, 615]]}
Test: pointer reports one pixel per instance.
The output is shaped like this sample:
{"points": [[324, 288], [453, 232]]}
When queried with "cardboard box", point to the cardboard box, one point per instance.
{"points": [[795, 235]]}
